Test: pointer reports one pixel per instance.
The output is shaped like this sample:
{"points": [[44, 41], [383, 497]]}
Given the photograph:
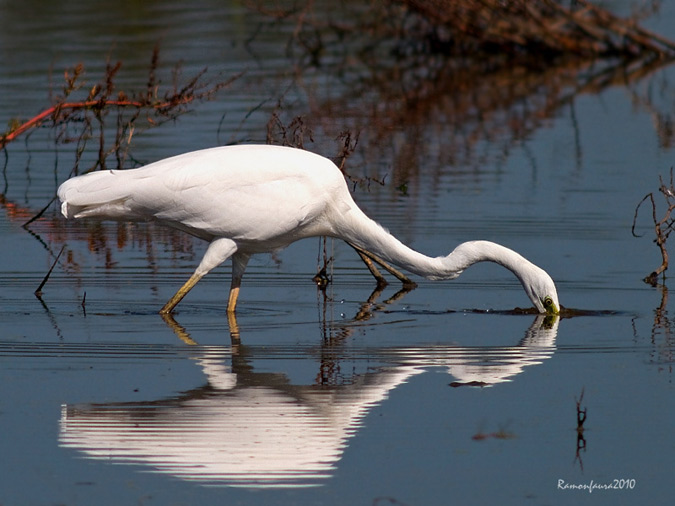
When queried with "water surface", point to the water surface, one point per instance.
{"points": [[439, 395]]}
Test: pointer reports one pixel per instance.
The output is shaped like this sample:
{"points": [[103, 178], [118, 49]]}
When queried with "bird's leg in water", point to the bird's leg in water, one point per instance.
{"points": [[234, 327], [239, 262], [234, 295], [182, 292], [218, 251]]}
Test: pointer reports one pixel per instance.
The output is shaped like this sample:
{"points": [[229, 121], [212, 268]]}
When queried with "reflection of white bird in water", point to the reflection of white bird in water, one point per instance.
{"points": [[254, 199], [264, 429]]}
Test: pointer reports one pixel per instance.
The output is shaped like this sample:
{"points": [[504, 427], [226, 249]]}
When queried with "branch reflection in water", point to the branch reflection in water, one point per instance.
{"points": [[255, 429]]}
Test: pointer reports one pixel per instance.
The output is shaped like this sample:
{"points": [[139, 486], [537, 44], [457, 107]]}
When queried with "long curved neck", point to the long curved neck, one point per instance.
{"points": [[358, 229], [472, 252]]}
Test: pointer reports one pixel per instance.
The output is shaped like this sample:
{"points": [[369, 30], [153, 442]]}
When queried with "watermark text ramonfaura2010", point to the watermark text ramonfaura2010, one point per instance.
{"points": [[592, 486]]}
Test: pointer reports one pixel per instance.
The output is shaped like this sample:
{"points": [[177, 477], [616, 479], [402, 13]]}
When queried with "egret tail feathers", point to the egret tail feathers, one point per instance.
{"points": [[104, 194], [108, 210]]}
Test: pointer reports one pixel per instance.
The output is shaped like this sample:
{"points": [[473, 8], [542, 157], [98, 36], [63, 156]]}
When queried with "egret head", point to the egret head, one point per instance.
{"points": [[541, 290]]}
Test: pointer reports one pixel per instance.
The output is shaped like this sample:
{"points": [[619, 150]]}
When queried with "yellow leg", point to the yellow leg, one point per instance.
{"points": [[232, 301], [239, 262], [218, 251], [234, 327], [182, 292]]}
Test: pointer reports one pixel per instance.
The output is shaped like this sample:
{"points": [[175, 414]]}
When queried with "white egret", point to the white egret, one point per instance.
{"points": [[251, 199]]}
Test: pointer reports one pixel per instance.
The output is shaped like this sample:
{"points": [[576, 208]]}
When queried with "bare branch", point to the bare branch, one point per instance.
{"points": [[103, 97], [662, 227]]}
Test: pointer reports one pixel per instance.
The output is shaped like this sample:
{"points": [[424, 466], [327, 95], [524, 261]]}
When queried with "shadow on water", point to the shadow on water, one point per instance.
{"points": [[254, 429]]}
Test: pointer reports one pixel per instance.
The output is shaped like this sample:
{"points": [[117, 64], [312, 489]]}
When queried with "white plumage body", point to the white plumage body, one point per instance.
{"points": [[261, 199], [256, 198]]}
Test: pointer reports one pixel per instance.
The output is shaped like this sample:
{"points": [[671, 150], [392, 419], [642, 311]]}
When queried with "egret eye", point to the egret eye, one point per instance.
{"points": [[549, 305]]}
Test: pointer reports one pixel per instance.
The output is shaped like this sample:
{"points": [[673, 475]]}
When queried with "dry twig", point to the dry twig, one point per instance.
{"points": [[103, 97], [38, 291], [662, 227]]}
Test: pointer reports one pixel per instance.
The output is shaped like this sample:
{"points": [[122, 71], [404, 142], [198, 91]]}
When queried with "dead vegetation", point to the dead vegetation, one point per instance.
{"points": [[525, 28], [538, 31], [662, 226], [81, 112], [464, 71]]}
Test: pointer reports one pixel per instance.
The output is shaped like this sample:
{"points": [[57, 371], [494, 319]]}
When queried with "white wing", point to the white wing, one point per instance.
{"points": [[246, 193]]}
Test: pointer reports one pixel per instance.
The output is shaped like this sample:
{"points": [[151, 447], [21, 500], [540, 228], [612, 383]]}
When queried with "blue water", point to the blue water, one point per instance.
{"points": [[441, 395]]}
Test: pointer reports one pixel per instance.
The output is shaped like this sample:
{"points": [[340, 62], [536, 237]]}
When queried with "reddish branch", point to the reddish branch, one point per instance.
{"points": [[102, 97], [53, 112]]}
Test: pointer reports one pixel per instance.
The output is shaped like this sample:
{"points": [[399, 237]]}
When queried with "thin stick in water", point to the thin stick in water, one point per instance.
{"points": [[38, 292]]}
